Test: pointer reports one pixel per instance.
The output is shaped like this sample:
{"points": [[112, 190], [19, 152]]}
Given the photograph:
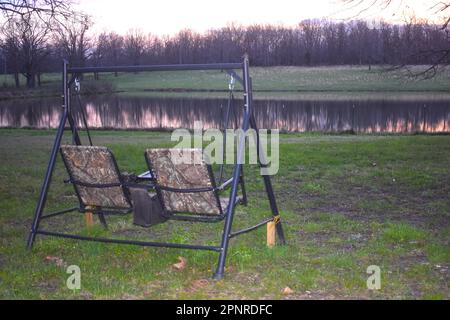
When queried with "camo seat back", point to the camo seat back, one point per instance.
{"points": [[94, 165], [172, 170]]}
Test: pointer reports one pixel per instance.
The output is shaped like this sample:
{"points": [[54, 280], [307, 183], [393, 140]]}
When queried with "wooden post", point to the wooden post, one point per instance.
{"points": [[271, 234], [89, 218]]}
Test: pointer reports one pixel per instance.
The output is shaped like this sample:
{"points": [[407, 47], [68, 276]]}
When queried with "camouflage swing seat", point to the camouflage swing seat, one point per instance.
{"points": [[181, 186], [96, 178], [185, 183]]}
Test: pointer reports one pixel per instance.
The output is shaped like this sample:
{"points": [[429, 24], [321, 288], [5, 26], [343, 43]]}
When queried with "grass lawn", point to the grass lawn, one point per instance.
{"points": [[290, 80], [347, 202]]}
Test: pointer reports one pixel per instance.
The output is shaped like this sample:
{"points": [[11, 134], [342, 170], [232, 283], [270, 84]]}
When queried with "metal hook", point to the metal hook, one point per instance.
{"points": [[77, 85], [231, 84]]}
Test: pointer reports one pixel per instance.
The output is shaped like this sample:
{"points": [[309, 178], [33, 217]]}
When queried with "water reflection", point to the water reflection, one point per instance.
{"points": [[120, 112]]}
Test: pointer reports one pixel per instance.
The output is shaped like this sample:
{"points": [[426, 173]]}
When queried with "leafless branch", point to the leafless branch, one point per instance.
{"points": [[438, 57], [48, 11]]}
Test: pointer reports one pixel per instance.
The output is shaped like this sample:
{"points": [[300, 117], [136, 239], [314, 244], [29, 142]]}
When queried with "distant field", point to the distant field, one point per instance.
{"points": [[270, 80]]}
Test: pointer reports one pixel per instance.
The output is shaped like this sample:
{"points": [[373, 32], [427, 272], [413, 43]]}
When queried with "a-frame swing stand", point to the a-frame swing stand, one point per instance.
{"points": [[248, 122]]}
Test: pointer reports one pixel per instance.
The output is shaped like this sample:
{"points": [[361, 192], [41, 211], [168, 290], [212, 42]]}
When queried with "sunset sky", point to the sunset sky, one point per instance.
{"points": [[169, 16]]}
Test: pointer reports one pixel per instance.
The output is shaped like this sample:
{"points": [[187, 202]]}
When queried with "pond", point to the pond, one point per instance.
{"points": [[383, 115]]}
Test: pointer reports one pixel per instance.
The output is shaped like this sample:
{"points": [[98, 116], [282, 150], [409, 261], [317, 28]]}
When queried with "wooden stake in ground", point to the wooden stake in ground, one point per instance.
{"points": [[271, 234], [89, 217]]}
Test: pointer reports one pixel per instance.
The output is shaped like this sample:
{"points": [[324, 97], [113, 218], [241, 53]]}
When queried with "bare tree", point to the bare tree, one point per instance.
{"points": [[443, 7], [134, 46], [311, 42], [10, 48], [109, 49], [155, 50], [311, 35], [28, 36], [71, 38], [27, 25], [361, 6], [47, 11], [186, 45], [437, 56]]}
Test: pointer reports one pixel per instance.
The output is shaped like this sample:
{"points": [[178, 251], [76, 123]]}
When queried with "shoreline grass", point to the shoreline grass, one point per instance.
{"points": [[269, 81]]}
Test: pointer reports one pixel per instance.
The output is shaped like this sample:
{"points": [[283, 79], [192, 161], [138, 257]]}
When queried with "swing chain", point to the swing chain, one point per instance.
{"points": [[77, 84], [231, 83]]}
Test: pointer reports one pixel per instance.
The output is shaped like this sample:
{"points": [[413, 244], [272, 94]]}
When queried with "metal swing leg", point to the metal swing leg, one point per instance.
{"points": [[243, 190], [102, 219], [53, 155], [269, 188], [228, 223], [232, 204], [236, 176], [47, 180]]}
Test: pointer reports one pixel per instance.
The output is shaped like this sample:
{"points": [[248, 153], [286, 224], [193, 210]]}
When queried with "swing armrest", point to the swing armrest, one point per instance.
{"points": [[225, 184]]}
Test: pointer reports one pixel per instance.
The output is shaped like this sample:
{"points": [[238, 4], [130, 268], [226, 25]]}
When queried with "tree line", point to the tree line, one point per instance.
{"points": [[30, 46]]}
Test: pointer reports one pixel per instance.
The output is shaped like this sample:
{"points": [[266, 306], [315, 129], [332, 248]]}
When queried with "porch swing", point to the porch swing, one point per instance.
{"points": [[184, 191]]}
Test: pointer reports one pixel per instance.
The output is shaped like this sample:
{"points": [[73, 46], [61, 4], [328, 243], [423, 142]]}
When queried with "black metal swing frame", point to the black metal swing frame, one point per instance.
{"points": [[248, 122]]}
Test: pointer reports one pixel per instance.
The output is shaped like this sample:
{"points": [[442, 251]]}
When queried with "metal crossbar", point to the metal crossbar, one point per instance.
{"points": [[123, 241], [256, 226], [170, 67], [57, 213]]}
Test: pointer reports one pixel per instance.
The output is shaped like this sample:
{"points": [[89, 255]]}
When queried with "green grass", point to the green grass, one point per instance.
{"points": [[341, 214], [291, 81], [402, 233]]}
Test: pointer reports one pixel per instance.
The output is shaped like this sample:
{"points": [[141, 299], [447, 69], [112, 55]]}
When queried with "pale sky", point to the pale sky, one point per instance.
{"points": [[162, 17]]}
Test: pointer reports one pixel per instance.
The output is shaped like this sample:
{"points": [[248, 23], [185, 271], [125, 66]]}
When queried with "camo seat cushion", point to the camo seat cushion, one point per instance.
{"points": [[94, 165], [171, 171]]}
